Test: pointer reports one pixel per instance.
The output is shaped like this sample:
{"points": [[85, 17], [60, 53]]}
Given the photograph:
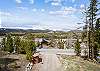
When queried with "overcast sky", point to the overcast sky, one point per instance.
{"points": [[42, 14]]}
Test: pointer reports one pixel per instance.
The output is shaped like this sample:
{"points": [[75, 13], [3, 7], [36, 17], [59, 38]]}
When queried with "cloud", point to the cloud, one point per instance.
{"points": [[65, 11], [73, 1], [56, 12], [34, 10], [69, 10], [98, 16], [18, 21], [82, 6], [55, 3], [59, 23], [18, 1], [54, 0], [5, 14], [42, 10], [46, 1], [23, 8], [75, 5], [0, 22], [63, 19], [31, 1]]}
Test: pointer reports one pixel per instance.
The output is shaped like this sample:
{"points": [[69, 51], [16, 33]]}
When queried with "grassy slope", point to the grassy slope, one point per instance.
{"points": [[73, 63]]}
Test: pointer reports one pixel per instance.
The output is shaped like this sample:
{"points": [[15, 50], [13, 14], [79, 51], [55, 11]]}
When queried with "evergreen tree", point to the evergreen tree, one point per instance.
{"points": [[3, 43], [29, 49], [92, 10], [23, 46], [97, 37], [9, 44], [77, 48], [17, 43]]}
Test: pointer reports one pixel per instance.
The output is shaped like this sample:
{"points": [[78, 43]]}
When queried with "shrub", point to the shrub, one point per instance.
{"points": [[77, 48]]}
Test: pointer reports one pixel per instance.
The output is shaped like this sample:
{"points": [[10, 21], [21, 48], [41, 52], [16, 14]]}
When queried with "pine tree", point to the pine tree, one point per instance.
{"points": [[92, 10], [29, 49], [3, 43], [9, 43], [77, 48], [97, 38], [17, 43]]}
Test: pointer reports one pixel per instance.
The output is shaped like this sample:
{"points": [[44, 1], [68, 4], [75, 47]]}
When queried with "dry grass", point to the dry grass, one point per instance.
{"points": [[74, 63], [13, 62]]}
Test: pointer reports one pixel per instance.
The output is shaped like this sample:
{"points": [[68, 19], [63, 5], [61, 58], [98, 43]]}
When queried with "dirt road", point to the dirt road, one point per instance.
{"points": [[50, 63]]}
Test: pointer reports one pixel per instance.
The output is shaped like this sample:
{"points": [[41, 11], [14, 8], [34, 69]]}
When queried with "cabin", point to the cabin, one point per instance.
{"points": [[41, 42]]}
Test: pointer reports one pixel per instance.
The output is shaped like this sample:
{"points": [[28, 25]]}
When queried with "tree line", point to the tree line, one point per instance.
{"points": [[20, 46], [93, 24]]}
